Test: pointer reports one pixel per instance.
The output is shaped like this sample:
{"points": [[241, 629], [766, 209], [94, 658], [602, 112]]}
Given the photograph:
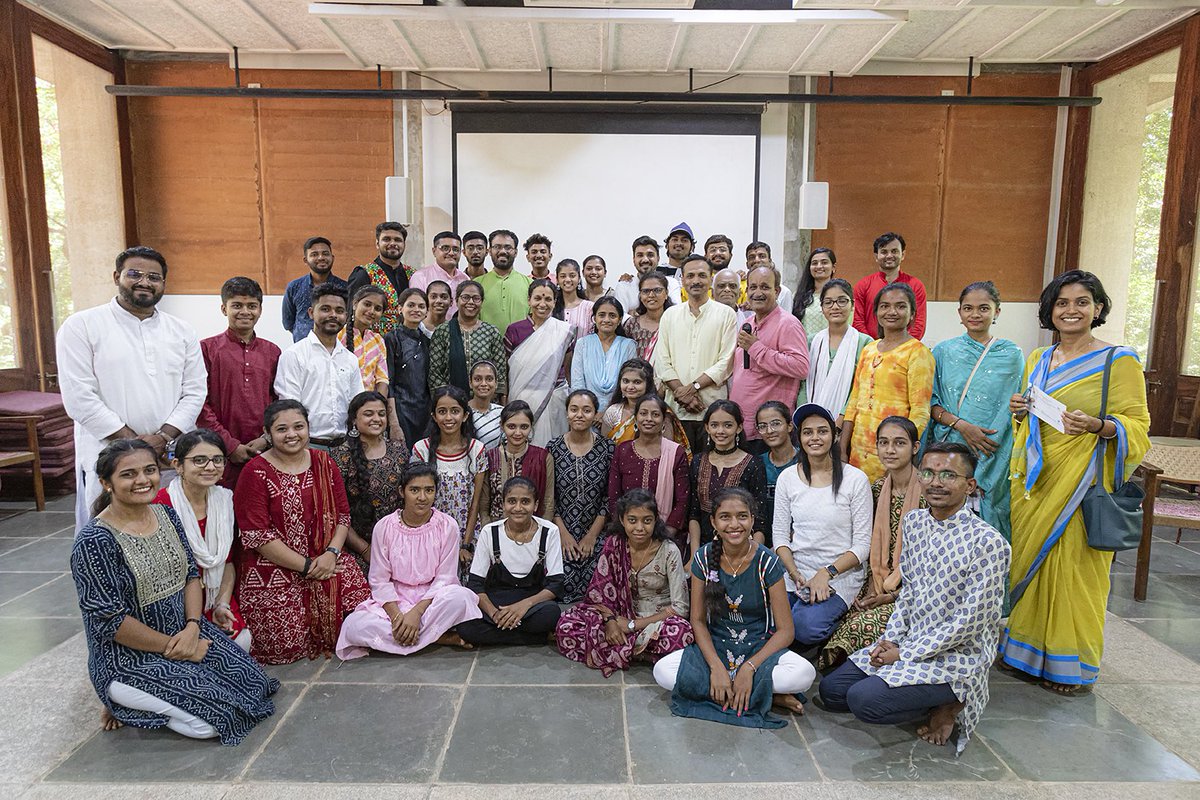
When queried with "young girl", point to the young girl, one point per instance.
{"points": [[366, 309], [895, 494], [739, 665], [634, 381], [516, 573], [437, 293], [599, 357], [894, 378], [834, 351], [484, 412], [581, 462], [774, 423], [723, 464], [653, 463], [516, 456], [408, 364], [206, 511], [637, 602], [461, 466], [573, 303], [822, 264], [594, 273], [416, 599], [653, 300]]}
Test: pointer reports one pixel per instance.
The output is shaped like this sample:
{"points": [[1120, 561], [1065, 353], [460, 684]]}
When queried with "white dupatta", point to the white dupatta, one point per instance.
{"points": [[829, 383], [212, 548], [533, 376]]}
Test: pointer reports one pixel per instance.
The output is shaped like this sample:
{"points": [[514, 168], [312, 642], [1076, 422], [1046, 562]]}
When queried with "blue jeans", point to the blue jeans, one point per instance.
{"points": [[815, 621], [871, 700]]}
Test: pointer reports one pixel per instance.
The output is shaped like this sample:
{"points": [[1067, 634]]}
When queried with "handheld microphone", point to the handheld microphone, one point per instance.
{"points": [[746, 353]]}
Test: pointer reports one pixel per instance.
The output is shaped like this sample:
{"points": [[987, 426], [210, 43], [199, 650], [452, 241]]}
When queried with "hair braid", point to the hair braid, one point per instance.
{"points": [[714, 590]]}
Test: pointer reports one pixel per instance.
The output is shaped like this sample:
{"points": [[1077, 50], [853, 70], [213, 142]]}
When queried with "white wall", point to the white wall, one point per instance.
{"points": [[203, 311]]}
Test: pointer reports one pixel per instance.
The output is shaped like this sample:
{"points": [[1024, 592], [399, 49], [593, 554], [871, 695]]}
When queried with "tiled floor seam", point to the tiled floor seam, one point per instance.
{"points": [[808, 748], [458, 704], [241, 776], [1149, 732], [979, 739], [625, 730]]}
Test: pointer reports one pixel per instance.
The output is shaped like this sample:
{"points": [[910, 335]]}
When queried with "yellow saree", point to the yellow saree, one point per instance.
{"points": [[1060, 585]]}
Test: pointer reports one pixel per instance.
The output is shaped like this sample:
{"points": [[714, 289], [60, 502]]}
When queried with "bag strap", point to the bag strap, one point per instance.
{"points": [[975, 369], [1101, 442], [496, 543], [541, 556]]}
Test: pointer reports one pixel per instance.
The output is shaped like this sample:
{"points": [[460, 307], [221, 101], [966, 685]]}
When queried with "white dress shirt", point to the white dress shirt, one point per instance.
{"points": [[117, 370], [324, 382]]}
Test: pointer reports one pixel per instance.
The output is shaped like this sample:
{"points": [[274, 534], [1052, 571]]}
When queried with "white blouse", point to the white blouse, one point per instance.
{"points": [[519, 558]]}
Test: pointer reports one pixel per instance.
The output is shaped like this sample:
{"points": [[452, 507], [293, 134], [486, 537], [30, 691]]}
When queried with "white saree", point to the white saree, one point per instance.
{"points": [[534, 375]]}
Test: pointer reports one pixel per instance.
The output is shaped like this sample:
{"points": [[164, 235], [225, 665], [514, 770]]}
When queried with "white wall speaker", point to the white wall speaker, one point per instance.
{"points": [[814, 205], [398, 197]]}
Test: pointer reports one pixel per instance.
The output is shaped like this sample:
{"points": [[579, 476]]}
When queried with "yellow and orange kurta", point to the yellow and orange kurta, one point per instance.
{"points": [[896, 383], [372, 358]]}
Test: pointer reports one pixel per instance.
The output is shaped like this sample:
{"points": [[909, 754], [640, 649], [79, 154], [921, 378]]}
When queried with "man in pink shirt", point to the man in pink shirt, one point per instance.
{"points": [[447, 249], [775, 346], [889, 253]]}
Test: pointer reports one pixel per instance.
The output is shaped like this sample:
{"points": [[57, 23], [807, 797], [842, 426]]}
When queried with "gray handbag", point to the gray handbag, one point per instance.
{"points": [[1113, 520]]}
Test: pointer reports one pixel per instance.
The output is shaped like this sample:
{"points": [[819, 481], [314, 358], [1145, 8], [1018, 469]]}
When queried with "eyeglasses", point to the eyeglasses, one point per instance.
{"points": [[200, 462], [469, 298], [943, 476], [773, 425], [840, 302], [136, 275], [504, 248], [446, 248], [653, 292]]}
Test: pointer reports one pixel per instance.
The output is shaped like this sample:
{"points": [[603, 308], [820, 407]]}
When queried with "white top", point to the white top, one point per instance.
{"points": [[115, 369], [818, 527], [627, 292], [518, 558], [324, 382]]}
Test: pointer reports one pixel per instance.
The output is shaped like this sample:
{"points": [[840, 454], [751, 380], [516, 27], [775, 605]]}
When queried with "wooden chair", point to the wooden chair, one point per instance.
{"points": [[1166, 463], [34, 454]]}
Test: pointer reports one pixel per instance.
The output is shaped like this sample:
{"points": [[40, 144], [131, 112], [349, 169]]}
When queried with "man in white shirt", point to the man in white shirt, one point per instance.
{"points": [[320, 372], [128, 370], [645, 260]]}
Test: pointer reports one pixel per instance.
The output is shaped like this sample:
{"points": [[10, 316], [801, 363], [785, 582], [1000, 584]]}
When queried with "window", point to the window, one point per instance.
{"points": [[9, 354]]}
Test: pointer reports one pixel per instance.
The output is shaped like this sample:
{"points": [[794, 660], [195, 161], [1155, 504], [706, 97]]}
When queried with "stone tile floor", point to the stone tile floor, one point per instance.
{"points": [[528, 723]]}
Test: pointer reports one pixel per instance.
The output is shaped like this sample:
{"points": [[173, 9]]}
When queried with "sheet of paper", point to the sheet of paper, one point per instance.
{"points": [[1046, 408]]}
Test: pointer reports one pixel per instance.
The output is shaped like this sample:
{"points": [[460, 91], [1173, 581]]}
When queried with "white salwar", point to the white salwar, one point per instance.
{"points": [[533, 376]]}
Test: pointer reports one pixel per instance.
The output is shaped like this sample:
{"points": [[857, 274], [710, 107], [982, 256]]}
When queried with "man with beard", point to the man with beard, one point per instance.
{"points": [[320, 372], [127, 370], [889, 254], [447, 250], [645, 259], [718, 249], [386, 271], [318, 257], [537, 253], [475, 249], [679, 243], [505, 291]]}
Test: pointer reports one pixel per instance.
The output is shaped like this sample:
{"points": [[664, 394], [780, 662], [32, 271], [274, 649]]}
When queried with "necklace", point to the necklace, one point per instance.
{"points": [[578, 465], [741, 565], [728, 452]]}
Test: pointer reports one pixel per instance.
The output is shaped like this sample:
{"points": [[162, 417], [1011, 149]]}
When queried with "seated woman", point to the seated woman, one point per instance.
{"points": [[635, 380], [517, 573], [416, 598], [485, 413], [599, 356], [653, 463], [822, 528], [516, 456], [295, 584], [896, 494], [637, 603], [723, 464], [205, 510], [370, 462], [739, 665], [153, 659]]}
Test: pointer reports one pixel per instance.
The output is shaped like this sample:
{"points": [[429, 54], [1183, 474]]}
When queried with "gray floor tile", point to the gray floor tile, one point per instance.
{"points": [[494, 792], [301, 671], [25, 639], [57, 598], [63, 503], [1181, 635], [537, 666], [360, 734], [36, 523], [10, 543], [1092, 740], [1170, 714], [163, 756], [50, 554], [1164, 600], [43, 724], [62, 665], [557, 734], [1165, 558], [432, 665], [15, 584], [849, 750], [1134, 656], [640, 674], [667, 749], [126, 791], [323, 791]]}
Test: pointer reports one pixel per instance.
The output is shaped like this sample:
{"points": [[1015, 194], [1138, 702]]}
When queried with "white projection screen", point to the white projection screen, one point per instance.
{"points": [[594, 181]]}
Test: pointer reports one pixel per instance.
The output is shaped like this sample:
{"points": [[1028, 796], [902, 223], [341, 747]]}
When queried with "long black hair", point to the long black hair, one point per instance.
{"points": [[732, 409], [433, 433], [634, 365], [189, 441], [835, 455], [106, 465], [714, 590], [638, 498], [362, 513], [807, 289]]}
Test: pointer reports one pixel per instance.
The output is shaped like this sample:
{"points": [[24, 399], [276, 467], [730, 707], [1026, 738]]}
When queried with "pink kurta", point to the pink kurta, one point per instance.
{"points": [[409, 565]]}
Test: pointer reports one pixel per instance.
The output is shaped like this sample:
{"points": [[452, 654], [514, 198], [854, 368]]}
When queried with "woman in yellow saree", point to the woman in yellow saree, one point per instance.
{"points": [[1059, 584]]}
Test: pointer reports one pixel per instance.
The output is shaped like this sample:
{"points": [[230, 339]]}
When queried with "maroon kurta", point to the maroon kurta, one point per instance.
{"points": [[631, 471], [241, 380]]}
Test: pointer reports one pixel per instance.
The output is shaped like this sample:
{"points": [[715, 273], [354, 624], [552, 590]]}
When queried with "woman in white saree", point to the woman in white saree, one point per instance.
{"points": [[539, 359]]}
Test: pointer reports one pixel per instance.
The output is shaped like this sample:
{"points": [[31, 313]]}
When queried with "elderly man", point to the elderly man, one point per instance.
{"points": [[940, 641], [727, 290], [127, 370], [447, 250], [772, 357]]}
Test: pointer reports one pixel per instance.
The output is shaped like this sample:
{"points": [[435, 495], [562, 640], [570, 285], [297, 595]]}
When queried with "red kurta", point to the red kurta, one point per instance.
{"points": [[241, 380], [864, 303]]}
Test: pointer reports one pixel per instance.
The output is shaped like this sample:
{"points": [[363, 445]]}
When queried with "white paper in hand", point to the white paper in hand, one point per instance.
{"points": [[1047, 409]]}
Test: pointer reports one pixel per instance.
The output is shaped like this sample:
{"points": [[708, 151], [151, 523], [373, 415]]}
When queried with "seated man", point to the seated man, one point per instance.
{"points": [[941, 638]]}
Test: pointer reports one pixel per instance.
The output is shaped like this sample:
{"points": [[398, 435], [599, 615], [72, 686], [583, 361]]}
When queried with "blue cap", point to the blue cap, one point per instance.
{"points": [[685, 228], [813, 410]]}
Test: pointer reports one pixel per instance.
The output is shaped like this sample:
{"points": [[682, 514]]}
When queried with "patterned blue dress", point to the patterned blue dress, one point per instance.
{"points": [[119, 575]]}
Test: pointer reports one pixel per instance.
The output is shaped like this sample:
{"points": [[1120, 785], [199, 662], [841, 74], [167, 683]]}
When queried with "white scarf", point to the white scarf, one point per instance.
{"points": [[212, 548], [829, 383]]}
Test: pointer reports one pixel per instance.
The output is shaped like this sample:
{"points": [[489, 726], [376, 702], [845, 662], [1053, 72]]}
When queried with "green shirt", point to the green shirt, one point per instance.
{"points": [[505, 298]]}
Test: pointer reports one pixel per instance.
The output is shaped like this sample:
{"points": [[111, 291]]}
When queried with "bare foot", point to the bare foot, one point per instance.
{"points": [[788, 702], [941, 724], [452, 639], [1067, 689], [108, 722]]}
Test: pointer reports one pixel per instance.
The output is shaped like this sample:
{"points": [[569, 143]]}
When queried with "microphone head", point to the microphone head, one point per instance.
{"points": [[747, 329]]}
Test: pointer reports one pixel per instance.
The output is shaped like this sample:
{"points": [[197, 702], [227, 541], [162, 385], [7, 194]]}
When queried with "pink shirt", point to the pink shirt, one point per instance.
{"points": [[778, 363], [427, 275]]}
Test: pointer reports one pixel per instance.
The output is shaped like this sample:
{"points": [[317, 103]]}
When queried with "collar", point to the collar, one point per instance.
{"points": [[387, 269], [123, 314], [314, 341], [957, 518], [231, 336], [770, 316], [901, 276]]}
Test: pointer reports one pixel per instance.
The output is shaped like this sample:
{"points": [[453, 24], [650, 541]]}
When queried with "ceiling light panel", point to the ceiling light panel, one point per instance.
{"points": [[644, 47], [1119, 33], [574, 45], [776, 47], [921, 30], [712, 48], [843, 48], [506, 45], [983, 31], [1049, 34]]}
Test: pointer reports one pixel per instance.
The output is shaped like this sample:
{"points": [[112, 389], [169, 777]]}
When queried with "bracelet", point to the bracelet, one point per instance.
{"points": [[752, 664], [307, 567], [191, 619], [609, 618], [468, 546], [955, 425]]}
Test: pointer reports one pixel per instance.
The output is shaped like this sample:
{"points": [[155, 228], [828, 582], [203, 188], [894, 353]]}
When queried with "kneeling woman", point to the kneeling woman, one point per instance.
{"points": [[740, 665], [152, 657], [637, 601], [415, 595], [517, 573]]}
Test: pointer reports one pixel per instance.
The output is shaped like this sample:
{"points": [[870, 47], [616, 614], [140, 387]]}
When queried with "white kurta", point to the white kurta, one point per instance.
{"points": [[946, 619], [115, 369], [324, 382]]}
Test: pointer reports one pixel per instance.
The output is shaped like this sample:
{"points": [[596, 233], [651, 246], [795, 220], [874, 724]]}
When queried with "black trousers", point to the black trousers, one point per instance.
{"points": [[871, 700], [536, 626]]}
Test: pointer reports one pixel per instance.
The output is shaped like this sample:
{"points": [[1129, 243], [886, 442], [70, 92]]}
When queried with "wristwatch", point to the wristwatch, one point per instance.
{"points": [[696, 385], [832, 570], [632, 626], [331, 549]]}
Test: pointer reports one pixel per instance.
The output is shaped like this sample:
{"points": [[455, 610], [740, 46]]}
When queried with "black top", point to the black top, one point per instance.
{"points": [[359, 277]]}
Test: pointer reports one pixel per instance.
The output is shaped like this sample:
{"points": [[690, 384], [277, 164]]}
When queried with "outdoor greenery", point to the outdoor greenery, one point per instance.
{"points": [[56, 201], [1146, 221]]}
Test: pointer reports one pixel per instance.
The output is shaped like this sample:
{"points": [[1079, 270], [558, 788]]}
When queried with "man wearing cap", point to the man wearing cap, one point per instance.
{"points": [[679, 243], [645, 259]]}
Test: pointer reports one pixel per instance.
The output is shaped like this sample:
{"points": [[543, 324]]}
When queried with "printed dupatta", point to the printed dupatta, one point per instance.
{"points": [[325, 613]]}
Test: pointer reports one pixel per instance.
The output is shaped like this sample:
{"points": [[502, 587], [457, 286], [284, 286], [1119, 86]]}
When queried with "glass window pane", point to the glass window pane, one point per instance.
{"points": [[9, 352], [1191, 350]]}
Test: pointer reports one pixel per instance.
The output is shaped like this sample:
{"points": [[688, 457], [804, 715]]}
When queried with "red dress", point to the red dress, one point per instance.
{"points": [[239, 624], [293, 617]]}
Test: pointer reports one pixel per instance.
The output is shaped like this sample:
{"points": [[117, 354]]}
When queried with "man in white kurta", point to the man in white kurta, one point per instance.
{"points": [[941, 639], [126, 370]]}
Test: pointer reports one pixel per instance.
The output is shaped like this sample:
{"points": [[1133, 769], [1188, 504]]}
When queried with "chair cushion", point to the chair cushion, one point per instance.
{"points": [[1180, 509]]}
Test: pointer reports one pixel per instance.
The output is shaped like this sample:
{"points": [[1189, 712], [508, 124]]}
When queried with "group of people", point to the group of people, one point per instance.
{"points": [[678, 469]]}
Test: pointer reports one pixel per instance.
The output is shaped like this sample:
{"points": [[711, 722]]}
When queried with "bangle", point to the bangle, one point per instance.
{"points": [[609, 618], [751, 664], [468, 546], [334, 550], [307, 566], [192, 619], [955, 424]]}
